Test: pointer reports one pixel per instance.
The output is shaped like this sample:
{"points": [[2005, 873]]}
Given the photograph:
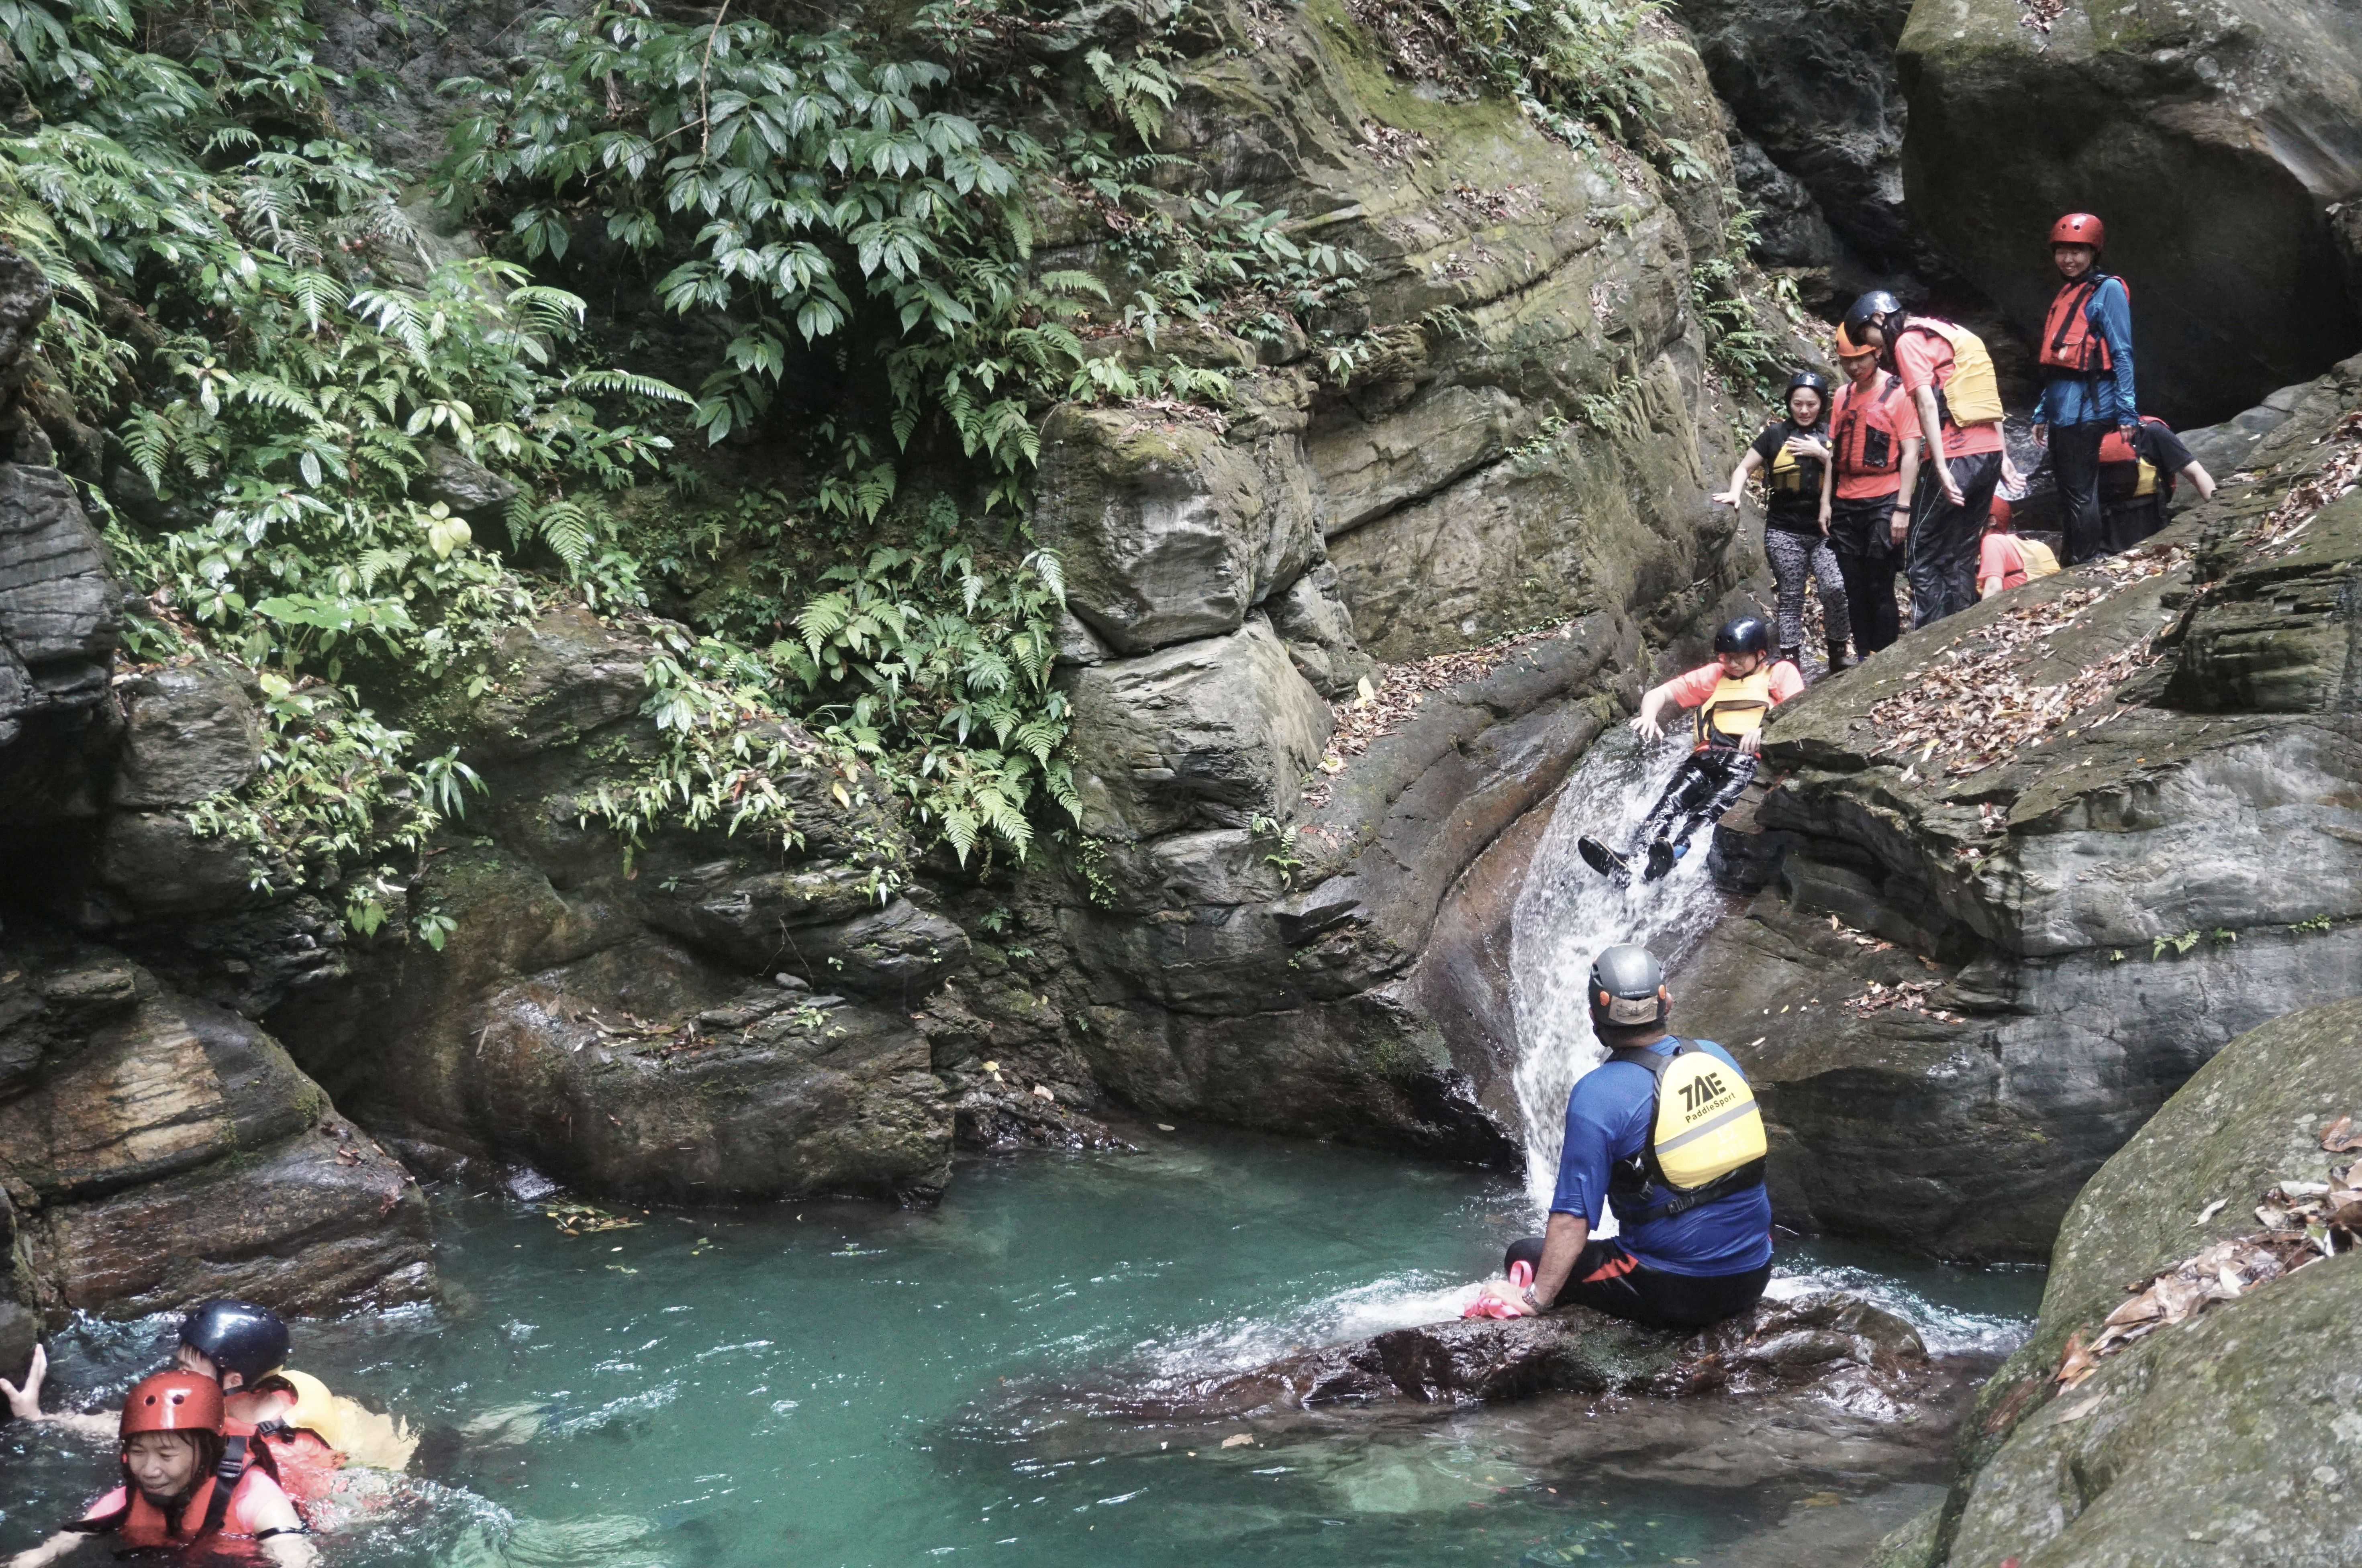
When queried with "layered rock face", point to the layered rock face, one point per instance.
{"points": [[2226, 1437], [2212, 138], [2027, 872], [1523, 449], [714, 1016]]}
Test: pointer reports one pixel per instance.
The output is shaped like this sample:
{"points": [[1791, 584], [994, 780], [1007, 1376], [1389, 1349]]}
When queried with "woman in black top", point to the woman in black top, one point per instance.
{"points": [[1790, 455]]}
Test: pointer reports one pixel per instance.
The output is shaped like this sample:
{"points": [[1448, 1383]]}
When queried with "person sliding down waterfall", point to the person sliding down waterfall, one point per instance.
{"points": [[1666, 1130], [1731, 696]]}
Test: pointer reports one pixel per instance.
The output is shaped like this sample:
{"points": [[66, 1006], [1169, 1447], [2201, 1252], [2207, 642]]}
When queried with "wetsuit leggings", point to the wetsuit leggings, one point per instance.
{"points": [[1945, 539], [2130, 522], [1866, 558], [1795, 557], [2075, 467], [1611, 1280], [1708, 784]]}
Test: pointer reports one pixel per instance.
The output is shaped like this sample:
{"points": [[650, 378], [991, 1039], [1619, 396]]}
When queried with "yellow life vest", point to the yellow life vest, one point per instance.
{"points": [[1973, 395], [2037, 557], [358, 1433], [1736, 708], [1706, 1137]]}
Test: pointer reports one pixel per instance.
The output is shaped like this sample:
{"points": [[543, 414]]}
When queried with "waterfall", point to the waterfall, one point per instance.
{"points": [[1567, 913]]}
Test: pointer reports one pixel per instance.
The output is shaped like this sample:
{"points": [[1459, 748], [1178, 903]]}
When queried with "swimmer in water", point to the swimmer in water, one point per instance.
{"points": [[184, 1485]]}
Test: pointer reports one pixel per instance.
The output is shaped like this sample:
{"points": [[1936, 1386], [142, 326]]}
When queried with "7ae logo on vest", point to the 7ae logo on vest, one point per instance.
{"points": [[1701, 1091]]}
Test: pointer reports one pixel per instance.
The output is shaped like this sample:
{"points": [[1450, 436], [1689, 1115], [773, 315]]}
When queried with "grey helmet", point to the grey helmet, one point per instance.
{"points": [[1627, 989]]}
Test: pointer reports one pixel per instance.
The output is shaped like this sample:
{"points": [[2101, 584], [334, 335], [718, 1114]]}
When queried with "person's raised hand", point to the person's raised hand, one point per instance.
{"points": [[1647, 728], [1807, 446], [25, 1403]]}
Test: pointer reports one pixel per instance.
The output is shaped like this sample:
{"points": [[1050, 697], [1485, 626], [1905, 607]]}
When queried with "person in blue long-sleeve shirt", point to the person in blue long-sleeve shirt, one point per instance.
{"points": [[2087, 371]]}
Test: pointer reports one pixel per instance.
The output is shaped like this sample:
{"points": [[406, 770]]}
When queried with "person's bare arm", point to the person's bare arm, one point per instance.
{"points": [[2195, 471], [1748, 463], [1646, 725], [290, 1551], [1931, 429], [25, 1404], [1562, 1244], [50, 1550], [1899, 527], [1828, 495]]}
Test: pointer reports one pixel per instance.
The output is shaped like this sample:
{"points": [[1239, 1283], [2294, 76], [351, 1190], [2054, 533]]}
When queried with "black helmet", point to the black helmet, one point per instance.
{"points": [[238, 1336], [1877, 308], [1627, 989], [1746, 633], [1807, 379]]}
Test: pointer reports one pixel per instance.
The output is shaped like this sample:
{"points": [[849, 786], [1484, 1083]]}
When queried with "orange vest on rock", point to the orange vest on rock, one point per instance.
{"points": [[2068, 344]]}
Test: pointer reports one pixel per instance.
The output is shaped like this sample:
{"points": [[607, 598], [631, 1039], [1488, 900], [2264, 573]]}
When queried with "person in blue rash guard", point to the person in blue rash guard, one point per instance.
{"points": [[1707, 1260], [2087, 377]]}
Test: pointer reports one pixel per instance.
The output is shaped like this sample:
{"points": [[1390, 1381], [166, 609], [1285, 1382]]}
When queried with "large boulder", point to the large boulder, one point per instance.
{"points": [[1217, 732], [161, 1149], [2229, 1437], [2211, 138], [666, 1020], [59, 608], [2024, 872], [1169, 531]]}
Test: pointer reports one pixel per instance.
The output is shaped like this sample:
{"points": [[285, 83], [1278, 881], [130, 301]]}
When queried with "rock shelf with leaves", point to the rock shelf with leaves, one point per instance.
{"points": [[2099, 824]]}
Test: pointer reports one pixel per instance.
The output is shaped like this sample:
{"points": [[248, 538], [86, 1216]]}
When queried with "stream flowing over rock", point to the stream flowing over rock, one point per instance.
{"points": [[2227, 1438]]}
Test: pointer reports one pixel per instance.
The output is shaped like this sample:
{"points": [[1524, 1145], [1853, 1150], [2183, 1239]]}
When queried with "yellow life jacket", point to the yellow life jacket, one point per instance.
{"points": [[1736, 708], [1973, 395], [2037, 557], [1706, 1135], [360, 1434]]}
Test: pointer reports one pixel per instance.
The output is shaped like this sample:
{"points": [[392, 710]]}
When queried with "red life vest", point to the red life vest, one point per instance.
{"points": [[1865, 439], [2068, 344], [302, 1461]]}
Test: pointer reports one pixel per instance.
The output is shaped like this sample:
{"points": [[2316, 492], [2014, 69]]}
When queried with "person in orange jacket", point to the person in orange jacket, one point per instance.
{"points": [[185, 1486]]}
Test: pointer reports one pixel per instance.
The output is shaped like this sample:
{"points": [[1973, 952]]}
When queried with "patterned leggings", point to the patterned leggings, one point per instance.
{"points": [[1795, 557]]}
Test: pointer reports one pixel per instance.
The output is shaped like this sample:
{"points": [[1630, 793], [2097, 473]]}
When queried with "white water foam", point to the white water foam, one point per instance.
{"points": [[1567, 913]]}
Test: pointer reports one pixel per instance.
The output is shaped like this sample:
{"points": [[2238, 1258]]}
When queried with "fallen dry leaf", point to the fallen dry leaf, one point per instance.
{"points": [[2340, 1139], [1238, 1440]]}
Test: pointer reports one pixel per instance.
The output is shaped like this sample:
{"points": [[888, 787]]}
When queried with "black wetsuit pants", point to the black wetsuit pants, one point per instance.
{"points": [[1866, 556], [1708, 784], [1945, 539], [2075, 468], [1613, 1281]]}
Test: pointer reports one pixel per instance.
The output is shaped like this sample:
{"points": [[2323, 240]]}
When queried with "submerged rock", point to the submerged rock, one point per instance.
{"points": [[2227, 1438], [1844, 1349]]}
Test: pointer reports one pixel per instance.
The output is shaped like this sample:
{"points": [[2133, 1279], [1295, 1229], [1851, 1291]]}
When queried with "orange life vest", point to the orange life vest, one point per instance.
{"points": [[145, 1526], [1865, 441], [2068, 344]]}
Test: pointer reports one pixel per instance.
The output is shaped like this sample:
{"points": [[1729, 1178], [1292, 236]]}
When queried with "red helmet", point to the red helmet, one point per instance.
{"points": [[2079, 228], [173, 1402]]}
